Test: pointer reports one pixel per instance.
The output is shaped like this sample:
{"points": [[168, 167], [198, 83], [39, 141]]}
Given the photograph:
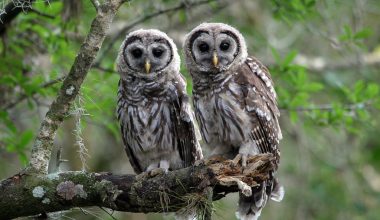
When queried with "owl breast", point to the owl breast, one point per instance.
{"points": [[149, 131], [223, 121]]}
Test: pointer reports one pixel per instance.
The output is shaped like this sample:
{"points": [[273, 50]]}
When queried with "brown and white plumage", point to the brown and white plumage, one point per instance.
{"points": [[153, 108], [235, 104]]}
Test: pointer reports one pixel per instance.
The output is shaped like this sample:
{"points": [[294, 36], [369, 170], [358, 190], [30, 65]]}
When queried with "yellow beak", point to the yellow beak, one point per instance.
{"points": [[215, 59], [147, 66]]}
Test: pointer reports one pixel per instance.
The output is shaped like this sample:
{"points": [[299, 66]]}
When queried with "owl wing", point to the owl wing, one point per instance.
{"points": [[185, 130], [260, 101], [121, 114]]}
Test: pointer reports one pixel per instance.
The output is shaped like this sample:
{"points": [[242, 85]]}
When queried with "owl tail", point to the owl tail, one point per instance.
{"points": [[250, 207]]}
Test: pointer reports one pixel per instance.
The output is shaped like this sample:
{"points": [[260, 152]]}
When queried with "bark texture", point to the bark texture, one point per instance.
{"points": [[43, 144], [26, 195]]}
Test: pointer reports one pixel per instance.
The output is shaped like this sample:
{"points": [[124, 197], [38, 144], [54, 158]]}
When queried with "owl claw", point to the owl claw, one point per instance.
{"points": [[214, 159], [242, 158], [237, 159], [157, 171]]}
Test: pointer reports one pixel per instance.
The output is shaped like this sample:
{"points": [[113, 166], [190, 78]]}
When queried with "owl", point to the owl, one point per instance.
{"points": [[153, 108], [235, 104]]}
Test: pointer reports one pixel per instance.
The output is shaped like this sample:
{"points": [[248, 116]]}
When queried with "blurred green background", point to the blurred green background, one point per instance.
{"points": [[324, 57]]}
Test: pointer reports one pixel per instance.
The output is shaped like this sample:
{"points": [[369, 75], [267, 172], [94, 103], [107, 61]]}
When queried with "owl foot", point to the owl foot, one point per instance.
{"points": [[157, 171], [240, 157], [215, 159]]}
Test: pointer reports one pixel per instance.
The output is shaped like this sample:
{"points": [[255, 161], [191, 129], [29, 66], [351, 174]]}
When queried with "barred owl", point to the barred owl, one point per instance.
{"points": [[235, 104], [153, 108]]}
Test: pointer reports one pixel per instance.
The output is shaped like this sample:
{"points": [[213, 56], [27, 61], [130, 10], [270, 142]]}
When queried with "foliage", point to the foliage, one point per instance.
{"points": [[325, 70]]}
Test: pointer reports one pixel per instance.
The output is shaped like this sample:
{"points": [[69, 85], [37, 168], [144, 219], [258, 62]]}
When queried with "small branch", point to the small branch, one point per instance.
{"points": [[24, 96], [128, 27], [11, 10], [330, 107], [320, 64], [96, 4], [129, 193], [42, 14]]}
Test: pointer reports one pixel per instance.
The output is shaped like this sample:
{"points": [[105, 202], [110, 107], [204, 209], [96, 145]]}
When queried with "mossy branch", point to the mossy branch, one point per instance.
{"points": [[60, 107], [26, 195]]}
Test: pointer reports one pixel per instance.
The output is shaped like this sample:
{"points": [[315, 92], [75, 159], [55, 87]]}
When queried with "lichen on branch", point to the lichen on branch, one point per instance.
{"points": [[168, 192]]}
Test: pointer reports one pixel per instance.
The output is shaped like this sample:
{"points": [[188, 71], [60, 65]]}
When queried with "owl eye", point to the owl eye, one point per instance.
{"points": [[157, 52], [136, 53], [203, 47], [224, 46]]}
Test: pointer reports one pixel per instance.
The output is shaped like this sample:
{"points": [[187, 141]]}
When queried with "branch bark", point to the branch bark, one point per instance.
{"points": [[125, 29], [43, 144], [142, 193]]}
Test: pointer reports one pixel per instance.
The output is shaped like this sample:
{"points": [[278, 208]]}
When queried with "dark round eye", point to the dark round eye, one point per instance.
{"points": [[203, 47], [157, 52], [224, 46], [137, 53]]}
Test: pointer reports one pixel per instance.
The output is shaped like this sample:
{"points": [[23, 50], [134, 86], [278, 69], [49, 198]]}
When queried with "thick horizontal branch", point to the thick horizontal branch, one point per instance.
{"points": [[25, 195]]}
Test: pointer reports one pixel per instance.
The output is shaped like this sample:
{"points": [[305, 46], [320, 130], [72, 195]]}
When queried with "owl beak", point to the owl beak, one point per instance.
{"points": [[215, 59], [147, 66]]}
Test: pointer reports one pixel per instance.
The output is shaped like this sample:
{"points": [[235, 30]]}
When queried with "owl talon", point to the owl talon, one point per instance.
{"points": [[244, 160], [157, 171], [237, 159], [214, 159], [240, 157]]}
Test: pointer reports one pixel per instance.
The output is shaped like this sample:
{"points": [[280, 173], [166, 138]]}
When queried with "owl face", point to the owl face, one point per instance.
{"points": [[214, 47], [147, 52]]}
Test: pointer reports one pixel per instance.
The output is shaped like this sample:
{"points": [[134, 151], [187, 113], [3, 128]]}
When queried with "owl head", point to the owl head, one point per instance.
{"points": [[146, 53], [214, 47]]}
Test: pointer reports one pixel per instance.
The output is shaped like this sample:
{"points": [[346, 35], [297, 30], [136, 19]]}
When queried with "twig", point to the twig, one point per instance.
{"points": [[96, 4], [24, 96], [11, 10], [126, 28], [329, 107], [42, 14]]}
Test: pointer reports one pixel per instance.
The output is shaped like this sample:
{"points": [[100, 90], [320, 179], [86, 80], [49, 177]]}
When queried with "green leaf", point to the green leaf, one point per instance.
{"points": [[372, 91], [289, 58], [182, 16], [276, 55], [362, 34], [25, 138], [293, 116]]}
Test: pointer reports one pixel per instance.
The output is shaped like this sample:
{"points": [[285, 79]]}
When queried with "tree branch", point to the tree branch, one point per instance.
{"points": [[43, 144], [176, 189], [128, 27], [24, 96], [11, 10], [42, 14], [330, 107]]}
